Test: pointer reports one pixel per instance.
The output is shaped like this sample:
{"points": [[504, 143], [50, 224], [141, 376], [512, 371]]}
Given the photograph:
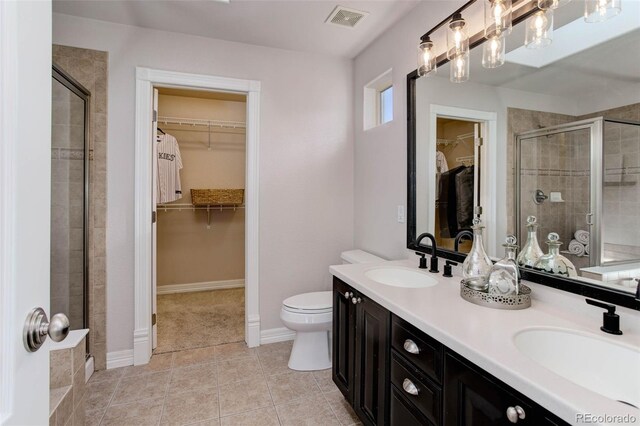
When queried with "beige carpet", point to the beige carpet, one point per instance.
{"points": [[200, 319]]}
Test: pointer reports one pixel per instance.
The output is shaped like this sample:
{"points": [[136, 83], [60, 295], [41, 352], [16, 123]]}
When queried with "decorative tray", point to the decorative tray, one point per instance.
{"points": [[497, 301]]}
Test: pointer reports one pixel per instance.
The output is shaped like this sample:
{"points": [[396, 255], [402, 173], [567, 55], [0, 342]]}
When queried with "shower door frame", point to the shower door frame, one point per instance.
{"points": [[596, 162], [78, 89]]}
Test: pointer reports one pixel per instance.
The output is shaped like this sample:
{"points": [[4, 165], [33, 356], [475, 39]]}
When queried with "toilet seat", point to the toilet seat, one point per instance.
{"points": [[318, 302]]}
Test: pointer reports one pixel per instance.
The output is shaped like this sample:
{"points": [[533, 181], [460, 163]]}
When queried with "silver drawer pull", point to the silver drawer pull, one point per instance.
{"points": [[515, 413], [409, 387], [411, 347], [347, 295], [356, 300]]}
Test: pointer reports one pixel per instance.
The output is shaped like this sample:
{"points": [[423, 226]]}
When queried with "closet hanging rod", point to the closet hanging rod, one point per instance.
{"points": [[185, 121]]}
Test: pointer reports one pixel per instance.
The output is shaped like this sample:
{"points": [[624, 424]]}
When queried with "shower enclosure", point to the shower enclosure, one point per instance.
{"points": [[69, 198], [582, 175]]}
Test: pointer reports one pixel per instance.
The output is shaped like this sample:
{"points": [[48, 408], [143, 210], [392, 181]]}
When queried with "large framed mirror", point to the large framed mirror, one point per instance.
{"points": [[553, 134]]}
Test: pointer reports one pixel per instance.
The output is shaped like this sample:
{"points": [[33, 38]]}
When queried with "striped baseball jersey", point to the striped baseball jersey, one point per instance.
{"points": [[169, 165]]}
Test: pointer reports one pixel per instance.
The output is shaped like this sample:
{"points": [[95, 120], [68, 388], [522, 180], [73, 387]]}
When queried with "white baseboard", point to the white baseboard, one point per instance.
{"points": [[119, 359], [274, 335], [204, 286]]}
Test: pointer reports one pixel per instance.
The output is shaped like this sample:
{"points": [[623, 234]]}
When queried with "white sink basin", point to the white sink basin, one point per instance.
{"points": [[397, 276], [610, 369]]}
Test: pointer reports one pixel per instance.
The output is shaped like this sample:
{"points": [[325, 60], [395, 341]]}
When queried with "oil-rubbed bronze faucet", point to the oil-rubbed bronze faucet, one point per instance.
{"points": [[610, 320], [434, 252]]}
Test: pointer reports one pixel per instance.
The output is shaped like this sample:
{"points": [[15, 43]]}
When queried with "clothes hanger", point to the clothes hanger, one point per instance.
{"points": [[161, 131]]}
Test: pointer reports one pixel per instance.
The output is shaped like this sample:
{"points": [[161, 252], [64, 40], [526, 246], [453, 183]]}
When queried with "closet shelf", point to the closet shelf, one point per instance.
{"points": [[191, 207]]}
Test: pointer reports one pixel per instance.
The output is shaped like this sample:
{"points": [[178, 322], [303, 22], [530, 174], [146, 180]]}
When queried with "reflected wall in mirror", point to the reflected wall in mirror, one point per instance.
{"points": [[564, 145]]}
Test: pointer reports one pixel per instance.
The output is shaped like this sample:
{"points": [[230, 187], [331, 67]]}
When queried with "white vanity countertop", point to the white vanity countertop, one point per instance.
{"points": [[485, 336]]}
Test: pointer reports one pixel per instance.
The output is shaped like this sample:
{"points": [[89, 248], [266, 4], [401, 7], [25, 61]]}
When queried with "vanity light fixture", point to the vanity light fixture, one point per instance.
{"points": [[427, 63], [601, 10], [497, 18], [457, 37], [493, 52], [539, 30], [553, 4]]}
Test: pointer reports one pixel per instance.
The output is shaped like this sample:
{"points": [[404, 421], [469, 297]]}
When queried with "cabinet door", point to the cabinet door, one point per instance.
{"points": [[372, 355], [472, 397], [343, 338]]}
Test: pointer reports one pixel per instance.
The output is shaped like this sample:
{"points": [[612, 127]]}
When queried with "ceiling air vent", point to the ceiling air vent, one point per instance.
{"points": [[345, 17]]}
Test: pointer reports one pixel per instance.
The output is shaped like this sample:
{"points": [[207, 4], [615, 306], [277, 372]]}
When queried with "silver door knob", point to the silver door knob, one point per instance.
{"points": [[515, 413], [37, 326], [411, 347], [409, 387]]}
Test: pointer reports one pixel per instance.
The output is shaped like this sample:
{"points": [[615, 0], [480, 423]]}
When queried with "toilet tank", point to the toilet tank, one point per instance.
{"points": [[359, 256]]}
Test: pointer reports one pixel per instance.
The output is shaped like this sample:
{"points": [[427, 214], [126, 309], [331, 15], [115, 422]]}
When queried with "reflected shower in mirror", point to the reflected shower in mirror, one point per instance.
{"points": [[558, 139]]}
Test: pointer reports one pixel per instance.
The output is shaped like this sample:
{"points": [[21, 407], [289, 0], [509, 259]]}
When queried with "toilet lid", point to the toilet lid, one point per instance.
{"points": [[317, 301]]}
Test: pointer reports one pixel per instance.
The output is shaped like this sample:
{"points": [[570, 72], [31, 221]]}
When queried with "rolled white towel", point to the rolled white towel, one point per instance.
{"points": [[586, 249], [576, 247], [582, 236]]}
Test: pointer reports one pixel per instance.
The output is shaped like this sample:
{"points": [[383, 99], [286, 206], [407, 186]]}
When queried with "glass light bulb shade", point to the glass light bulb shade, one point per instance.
{"points": [[497, 17], [539, 30], [601, 10], [427, 63], [493, 52], [457, 38], [459, 69]]}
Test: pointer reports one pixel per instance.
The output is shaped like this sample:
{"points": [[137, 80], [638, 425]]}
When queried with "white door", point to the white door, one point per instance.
{"points": [[25, 188]]}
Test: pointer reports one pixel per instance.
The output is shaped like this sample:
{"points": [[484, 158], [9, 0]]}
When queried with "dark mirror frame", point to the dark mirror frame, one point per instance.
{"points": [[617, 297]]}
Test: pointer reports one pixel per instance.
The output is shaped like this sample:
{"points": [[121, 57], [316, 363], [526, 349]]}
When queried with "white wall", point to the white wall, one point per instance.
{"points": [[306, 155], [381, 153]]}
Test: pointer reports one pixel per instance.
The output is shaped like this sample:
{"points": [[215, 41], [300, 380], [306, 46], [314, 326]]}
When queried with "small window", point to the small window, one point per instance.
{"points": [[386, 105], [378, 101]]}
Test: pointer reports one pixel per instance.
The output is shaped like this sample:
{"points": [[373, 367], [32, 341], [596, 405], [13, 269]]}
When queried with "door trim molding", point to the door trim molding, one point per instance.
{"points": [[146, 79]]}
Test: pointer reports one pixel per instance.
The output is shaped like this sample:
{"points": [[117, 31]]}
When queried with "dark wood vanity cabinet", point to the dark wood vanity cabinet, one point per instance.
{"points": [[392, 373], [474, 397], [361, 352]]}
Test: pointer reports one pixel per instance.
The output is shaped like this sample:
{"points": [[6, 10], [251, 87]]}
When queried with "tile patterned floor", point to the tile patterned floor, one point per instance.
{"points": [[229, 385]]}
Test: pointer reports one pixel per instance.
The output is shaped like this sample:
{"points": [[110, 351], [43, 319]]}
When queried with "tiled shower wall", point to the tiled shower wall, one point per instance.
{"points": [[561, 163], [89, 68]]}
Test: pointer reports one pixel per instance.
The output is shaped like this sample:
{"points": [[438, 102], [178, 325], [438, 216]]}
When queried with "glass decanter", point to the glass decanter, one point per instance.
{"points": [[531, 251], [504, 278], [477, 265], [553, 262]]}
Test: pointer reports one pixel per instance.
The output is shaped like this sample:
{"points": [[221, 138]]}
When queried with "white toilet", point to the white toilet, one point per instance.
{"points": [[310, 315]]}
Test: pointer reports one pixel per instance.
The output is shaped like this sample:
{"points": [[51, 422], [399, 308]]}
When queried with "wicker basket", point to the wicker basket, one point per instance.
{"points": [[217, 197]]}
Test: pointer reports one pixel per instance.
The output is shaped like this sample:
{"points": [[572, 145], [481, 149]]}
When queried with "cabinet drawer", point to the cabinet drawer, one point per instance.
{"points": [[429, 352], [429, 395], [403, 413]]}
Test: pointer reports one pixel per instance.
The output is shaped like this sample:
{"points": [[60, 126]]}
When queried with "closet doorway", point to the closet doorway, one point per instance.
{"points": [[199, 233], [147, 213], [460, 176]]}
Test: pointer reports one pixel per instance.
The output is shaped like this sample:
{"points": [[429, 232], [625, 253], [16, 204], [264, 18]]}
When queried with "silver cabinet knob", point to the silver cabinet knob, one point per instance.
{"points": [[515, 413], [347, 295], [356, 300], [409, 387], [37, 326], [411, 347]]}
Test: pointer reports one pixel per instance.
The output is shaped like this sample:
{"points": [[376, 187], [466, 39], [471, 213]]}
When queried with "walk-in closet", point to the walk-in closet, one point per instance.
{"points": [[199, 181], [455, 180]]}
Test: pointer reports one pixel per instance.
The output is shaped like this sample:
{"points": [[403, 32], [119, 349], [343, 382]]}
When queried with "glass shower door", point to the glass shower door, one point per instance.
{"points": [[69, 199], [556, 182]]}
